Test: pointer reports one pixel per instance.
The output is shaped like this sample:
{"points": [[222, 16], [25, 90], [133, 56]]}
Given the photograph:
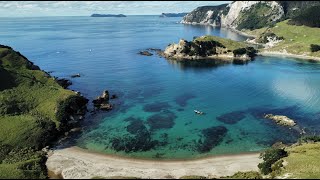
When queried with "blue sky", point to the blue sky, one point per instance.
{"points": [[86, 8]]}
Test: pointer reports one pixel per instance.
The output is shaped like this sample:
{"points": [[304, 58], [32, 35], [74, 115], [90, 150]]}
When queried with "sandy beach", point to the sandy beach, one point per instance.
{"points": [[77, 163], [284, 54]]}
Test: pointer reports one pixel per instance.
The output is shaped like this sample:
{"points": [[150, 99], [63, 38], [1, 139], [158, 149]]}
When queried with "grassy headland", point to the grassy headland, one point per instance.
{"points": [[296, 39], [33, 113]]}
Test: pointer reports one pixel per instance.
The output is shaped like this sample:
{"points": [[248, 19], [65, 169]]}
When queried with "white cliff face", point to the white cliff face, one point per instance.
{"points": [[230, 20], [208, 19], [235, 9]]}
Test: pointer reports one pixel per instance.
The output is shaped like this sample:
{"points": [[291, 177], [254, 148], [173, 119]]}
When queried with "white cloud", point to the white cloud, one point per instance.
{"points": [[84, 8]]}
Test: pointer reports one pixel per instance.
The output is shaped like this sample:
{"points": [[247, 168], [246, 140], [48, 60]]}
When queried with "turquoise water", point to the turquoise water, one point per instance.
{"points": [[153, 116]]}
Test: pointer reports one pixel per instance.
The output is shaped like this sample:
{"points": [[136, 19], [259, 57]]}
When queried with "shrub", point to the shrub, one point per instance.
{"points": [[245, 175], [239, 51], [269, 157], [309, 17], [314, 47]]}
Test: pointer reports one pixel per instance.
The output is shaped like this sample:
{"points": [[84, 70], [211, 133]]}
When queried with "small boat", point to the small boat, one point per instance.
{"points": [[198, 112]]}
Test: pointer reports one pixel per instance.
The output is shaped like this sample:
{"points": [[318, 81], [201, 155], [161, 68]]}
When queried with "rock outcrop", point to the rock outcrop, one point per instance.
{"points": [[145, 53], [102, 102], [209, 47], [281, 120]]}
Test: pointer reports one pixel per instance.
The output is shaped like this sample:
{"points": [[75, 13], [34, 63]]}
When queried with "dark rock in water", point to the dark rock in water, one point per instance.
{"points": [[105, 95], [232, 118], [135, 126], [140, 142], [183, 99], [156, 107], [180, 109], [113, 96], [158, 51], [145, 53], [106, 107], [102, 102], [213, 136], [260, 112], [75, 75], [164, 120], [65, 83]]}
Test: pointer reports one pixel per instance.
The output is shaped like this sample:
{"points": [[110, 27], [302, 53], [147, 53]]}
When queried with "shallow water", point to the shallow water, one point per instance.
{"points": [[153, 116]]}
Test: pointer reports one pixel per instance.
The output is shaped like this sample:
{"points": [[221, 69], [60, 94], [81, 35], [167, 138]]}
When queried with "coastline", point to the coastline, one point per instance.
{"points": [[230, 28], [277, 53], [75, 162]]}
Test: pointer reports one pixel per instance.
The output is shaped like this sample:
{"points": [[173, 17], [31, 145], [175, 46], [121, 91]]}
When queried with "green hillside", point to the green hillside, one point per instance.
{"points": [[33, 112]]}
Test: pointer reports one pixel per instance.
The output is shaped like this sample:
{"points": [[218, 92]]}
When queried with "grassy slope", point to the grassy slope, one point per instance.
{"points": [[303, 161], [28, 105], [228, 43], [297, 39]]}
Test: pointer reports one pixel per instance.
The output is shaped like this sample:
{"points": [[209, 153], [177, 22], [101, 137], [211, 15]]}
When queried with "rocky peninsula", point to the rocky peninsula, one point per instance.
{"points": [[210, 48], [284, 28]]}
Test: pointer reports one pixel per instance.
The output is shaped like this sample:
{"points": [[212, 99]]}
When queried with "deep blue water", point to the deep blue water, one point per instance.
{"points": [[154, 111]]}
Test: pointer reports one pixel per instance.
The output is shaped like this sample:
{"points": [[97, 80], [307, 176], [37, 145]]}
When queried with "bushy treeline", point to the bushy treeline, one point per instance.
{"points": [[310, 17], [314, 47]]}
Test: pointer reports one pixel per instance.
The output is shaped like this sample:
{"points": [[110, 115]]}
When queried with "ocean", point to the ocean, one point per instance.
{"points": [[153, 116]]}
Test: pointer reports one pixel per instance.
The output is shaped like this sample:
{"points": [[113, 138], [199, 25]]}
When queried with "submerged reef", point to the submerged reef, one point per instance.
{"points": [[232, 117], [163, 120], [213, 136]]}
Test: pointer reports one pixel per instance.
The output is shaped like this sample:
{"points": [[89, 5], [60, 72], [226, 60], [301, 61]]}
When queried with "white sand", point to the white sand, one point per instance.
{"points": [[77, 163]]}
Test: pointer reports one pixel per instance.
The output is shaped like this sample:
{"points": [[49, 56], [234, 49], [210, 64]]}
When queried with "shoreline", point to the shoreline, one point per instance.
{"points": [[216, 26], [278, 53], [75, 162]]}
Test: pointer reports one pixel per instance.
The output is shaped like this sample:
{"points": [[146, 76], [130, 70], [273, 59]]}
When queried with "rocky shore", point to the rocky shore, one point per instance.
{"points": [[210, 48]]}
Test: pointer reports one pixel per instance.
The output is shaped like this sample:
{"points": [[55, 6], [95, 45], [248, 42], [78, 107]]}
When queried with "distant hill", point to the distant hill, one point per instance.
{"points": [[173, 14], [108, 15]]}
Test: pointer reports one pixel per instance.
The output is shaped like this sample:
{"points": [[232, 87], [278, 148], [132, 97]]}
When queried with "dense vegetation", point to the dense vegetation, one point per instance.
{"points": [[29, 102], [269, 157], [314, 47], [258, 16], [310, 17], [244, 175], [250, 51]]}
